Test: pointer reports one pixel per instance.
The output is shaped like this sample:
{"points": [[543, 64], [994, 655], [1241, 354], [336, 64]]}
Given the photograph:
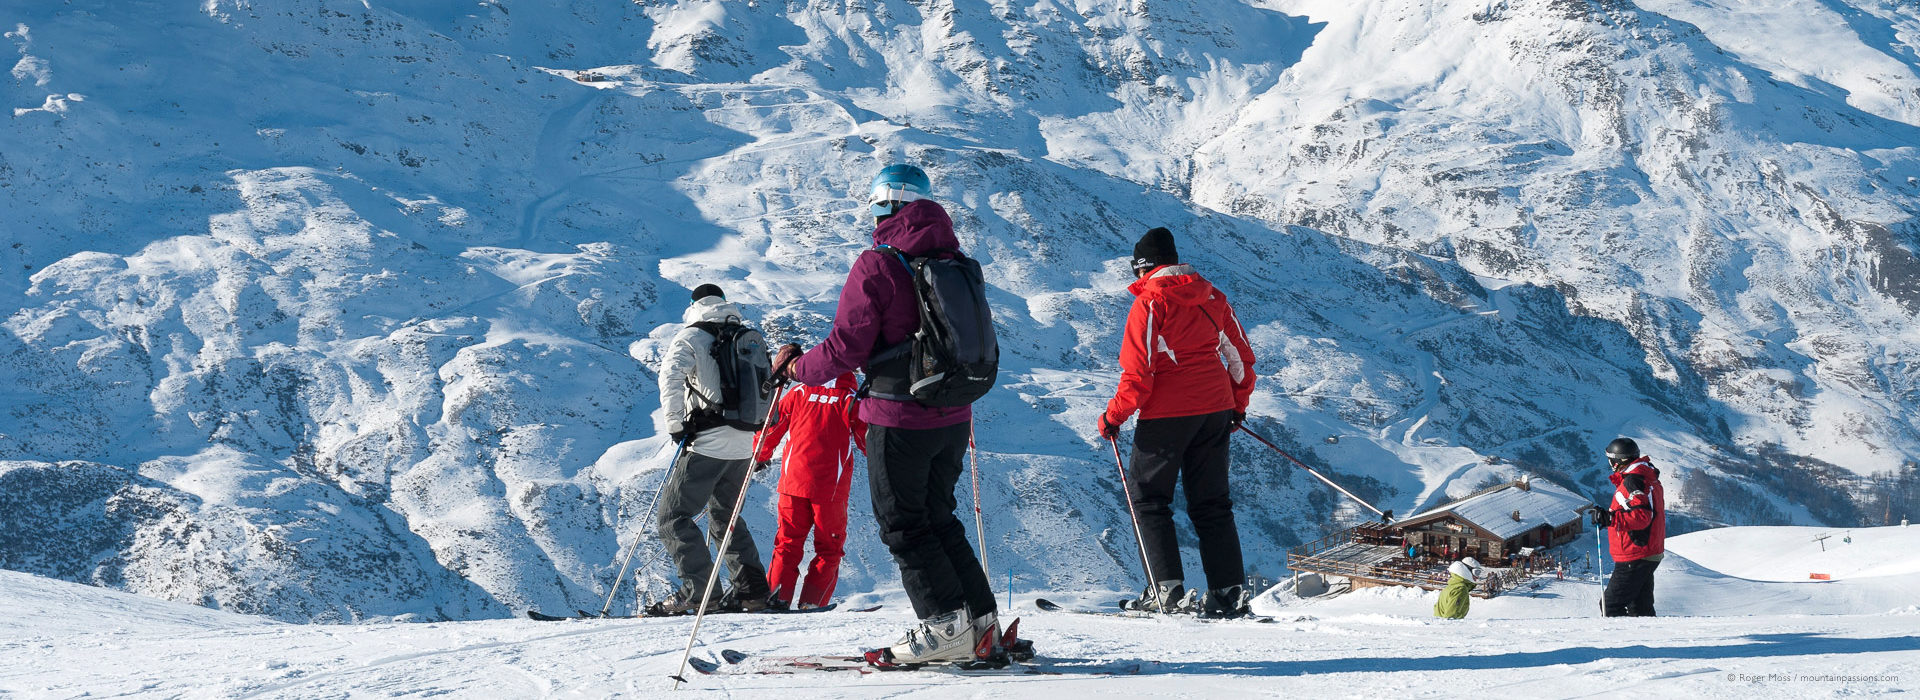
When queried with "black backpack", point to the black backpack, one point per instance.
{"points": [[953, 359], [745, 374]]}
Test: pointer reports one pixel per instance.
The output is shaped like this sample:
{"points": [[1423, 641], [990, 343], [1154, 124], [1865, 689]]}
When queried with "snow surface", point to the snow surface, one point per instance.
{"points": [[1796, 553], [1715, 640]]}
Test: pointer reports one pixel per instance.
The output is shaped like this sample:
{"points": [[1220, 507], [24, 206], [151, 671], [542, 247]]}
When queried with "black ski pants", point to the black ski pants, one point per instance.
{"points": [[912, 474], [1630, 591], [1190, 450]]}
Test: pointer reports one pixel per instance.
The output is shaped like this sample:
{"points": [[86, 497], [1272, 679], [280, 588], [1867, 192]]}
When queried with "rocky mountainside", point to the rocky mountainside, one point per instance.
{"points": [[324, 309]]}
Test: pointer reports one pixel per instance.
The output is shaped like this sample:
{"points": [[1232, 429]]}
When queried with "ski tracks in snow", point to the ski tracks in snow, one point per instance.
{"points": [[413, 659], [546, 148]]}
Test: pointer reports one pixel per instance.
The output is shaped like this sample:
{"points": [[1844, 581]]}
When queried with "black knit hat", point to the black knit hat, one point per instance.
{"points": [[707, 290], [1154, 249]]}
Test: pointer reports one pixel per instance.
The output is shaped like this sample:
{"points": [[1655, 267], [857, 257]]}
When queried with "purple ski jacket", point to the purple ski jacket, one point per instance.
{"points": [[878, 310]]}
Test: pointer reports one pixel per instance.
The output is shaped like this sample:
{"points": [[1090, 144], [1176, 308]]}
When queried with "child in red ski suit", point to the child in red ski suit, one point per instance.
{"points": [[815, 473]]}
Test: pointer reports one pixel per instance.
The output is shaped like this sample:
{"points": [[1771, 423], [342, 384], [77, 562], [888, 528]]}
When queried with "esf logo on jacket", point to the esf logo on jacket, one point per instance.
{"points": [[823, 398]]}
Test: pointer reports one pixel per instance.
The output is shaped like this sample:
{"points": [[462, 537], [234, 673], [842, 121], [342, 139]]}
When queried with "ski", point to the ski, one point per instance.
{"points": [[741, 663], [1050, 606], [584, 615]]}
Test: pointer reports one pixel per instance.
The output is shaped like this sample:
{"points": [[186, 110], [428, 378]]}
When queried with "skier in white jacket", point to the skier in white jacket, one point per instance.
{"points": [[711, 471]]}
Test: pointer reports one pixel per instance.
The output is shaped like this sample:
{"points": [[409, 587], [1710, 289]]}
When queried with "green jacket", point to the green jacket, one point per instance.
{"points": [[1454, 600]]}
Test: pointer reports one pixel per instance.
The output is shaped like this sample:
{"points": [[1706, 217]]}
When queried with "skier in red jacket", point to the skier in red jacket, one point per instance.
{"points": [[815, 473], [1638, 518], [1186, 367]]}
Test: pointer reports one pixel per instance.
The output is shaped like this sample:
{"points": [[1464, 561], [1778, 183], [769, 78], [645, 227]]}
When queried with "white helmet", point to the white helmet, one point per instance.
{"points": [[1468, 568]]}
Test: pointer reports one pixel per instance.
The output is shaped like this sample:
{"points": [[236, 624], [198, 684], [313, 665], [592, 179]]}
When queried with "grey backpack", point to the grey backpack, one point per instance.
{"points": [[745, 374]]}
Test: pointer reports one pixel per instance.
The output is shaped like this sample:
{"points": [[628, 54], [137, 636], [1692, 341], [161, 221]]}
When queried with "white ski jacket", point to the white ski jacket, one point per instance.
{"points": [[690, 379]]}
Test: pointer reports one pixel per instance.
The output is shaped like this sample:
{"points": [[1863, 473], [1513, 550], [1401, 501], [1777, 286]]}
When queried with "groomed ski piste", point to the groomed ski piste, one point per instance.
{"points": [[1741, 617]]}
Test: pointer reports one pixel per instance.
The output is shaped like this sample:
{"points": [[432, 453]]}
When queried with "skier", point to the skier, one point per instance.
{"points": [[1638, 518], [914, 451], [712, 469], [1455, 599], [816, 472], [1185, 365]]}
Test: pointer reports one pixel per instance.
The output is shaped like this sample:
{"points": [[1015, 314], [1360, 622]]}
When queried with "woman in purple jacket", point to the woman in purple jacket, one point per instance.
{"points": [[914, 452]]}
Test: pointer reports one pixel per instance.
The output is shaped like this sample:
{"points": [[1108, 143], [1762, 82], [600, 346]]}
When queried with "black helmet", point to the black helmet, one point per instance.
{"points": [[1622, 450]]}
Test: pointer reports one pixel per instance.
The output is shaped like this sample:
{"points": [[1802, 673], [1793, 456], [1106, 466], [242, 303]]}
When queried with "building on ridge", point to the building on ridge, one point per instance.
{"points": [[1511, 528]]}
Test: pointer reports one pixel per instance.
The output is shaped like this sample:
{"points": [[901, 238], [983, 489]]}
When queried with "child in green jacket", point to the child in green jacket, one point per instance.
{"points": [[1454, 600]]}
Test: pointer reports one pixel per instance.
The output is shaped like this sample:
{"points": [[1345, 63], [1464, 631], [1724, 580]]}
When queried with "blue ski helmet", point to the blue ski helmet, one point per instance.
{"points": [[895, 186]]}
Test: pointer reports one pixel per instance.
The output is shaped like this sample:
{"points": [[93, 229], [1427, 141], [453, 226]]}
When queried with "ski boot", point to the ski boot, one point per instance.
{"points": [[1226, 603], [1168, 596], [681, 602], [944, 638], [993, 648], [752, 596]]}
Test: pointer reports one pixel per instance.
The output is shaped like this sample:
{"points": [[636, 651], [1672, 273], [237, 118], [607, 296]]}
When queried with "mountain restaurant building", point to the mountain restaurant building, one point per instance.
{"points": [[1497, 524], [1509, 527]]}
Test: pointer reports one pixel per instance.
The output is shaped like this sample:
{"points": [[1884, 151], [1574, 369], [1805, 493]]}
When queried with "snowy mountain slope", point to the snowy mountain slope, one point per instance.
{"points": [[333, 304], [1733, 184], [1796, 553], [1548, 644]]}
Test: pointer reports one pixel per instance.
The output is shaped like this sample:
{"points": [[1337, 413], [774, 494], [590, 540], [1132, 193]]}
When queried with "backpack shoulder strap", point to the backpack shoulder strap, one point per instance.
{"points": [[882, 351], [712, 329], [906, 261]]}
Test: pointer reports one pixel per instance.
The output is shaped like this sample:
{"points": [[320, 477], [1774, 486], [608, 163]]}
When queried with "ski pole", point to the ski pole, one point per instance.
{"points": [[1384, 515], [652, 511], [1126, 489], [979, 525], [1599, 537], [713, 576]]}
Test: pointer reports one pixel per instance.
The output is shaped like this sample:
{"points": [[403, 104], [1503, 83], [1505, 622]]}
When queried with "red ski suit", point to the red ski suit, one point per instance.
{"points": [[1183, 353], [815, 473], [1639, 509]]}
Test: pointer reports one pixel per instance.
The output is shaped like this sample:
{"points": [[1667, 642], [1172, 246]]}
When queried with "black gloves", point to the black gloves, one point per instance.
{"points": [[784, 357], [1602, 518], [678, 436], [761, 465], [1238, 418], [1108, 430]]}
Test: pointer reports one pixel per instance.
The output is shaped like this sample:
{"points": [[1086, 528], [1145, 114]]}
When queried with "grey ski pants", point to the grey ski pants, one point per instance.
{"points": [[701, 481]]}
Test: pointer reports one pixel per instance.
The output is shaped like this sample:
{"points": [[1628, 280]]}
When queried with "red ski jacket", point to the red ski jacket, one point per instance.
{"points": [[1183, 353], [816, 420], [1639, 509]]}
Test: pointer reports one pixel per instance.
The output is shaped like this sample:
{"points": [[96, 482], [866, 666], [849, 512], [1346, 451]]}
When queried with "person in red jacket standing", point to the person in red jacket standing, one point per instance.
{"points": [[1186, 367], [1638, 518], [815, 473]]}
